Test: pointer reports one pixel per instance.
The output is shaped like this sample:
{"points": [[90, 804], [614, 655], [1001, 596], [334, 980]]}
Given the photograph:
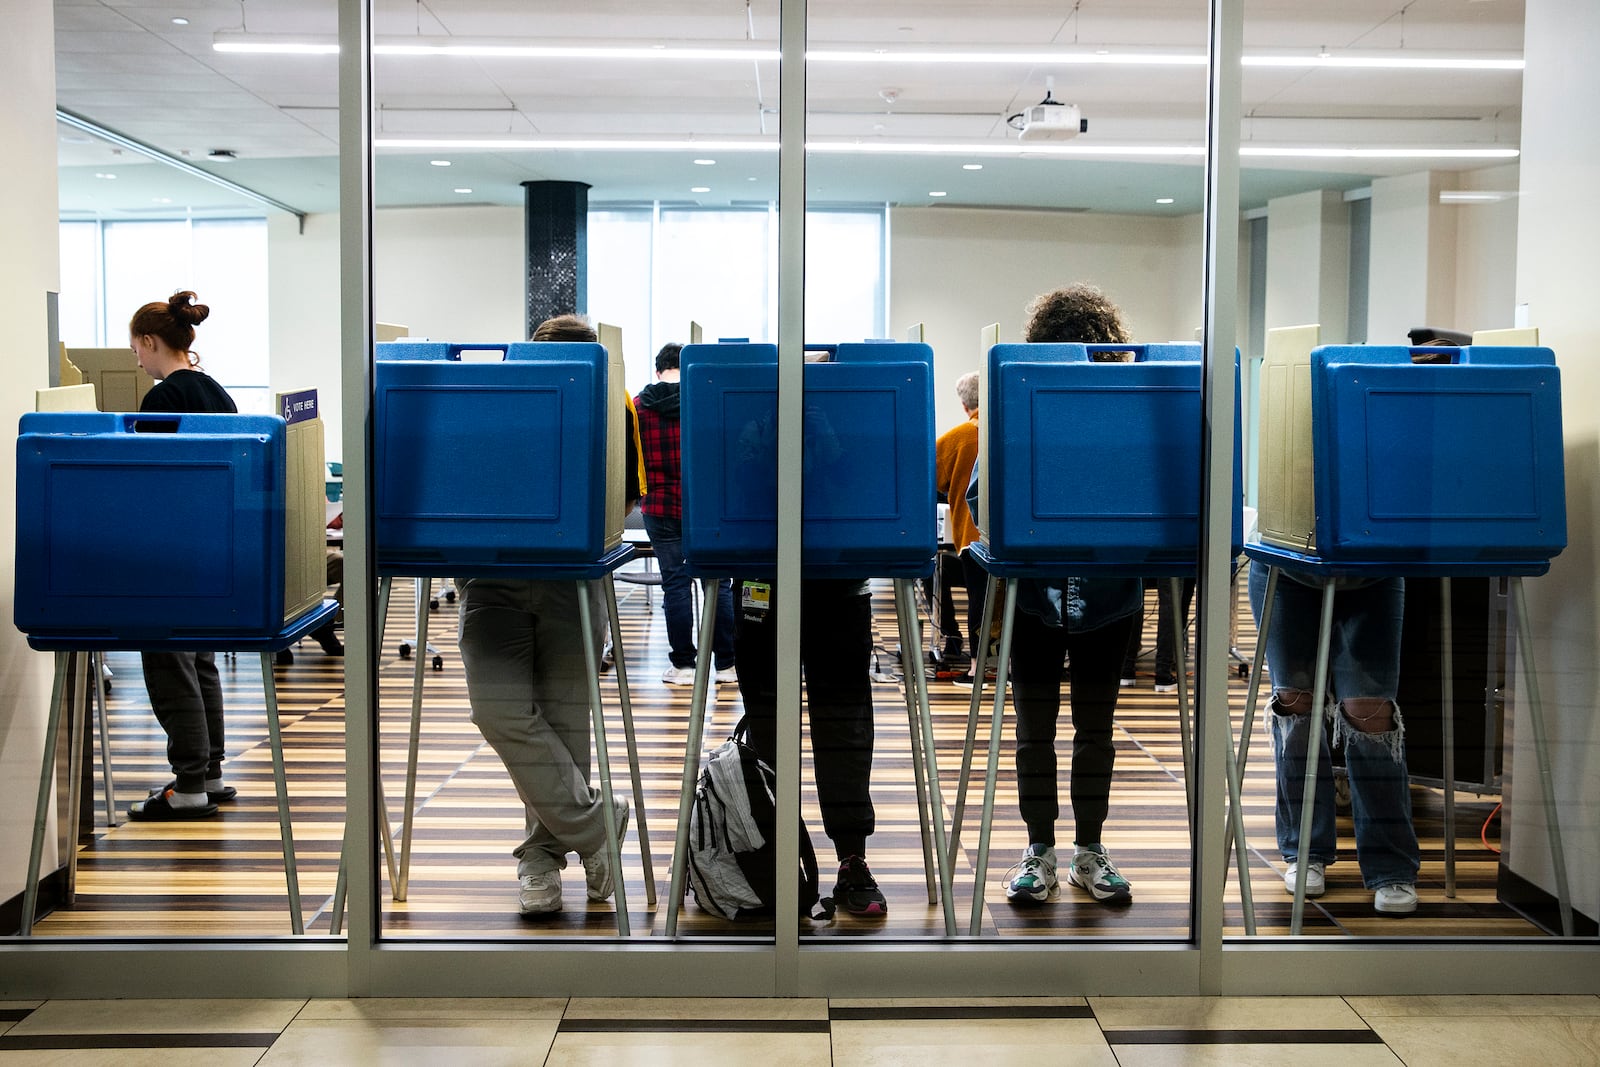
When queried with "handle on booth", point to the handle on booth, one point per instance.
{"points": [[152, 422], [1114, 353], [1436, 355], [455, 351]]}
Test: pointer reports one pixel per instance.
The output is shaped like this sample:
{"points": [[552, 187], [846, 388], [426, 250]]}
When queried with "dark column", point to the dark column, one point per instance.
{"points": [[557, 226]]}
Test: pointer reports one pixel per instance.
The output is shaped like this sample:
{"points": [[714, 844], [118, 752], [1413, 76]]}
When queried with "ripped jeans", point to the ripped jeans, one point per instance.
{"points": [[1363, 661]]}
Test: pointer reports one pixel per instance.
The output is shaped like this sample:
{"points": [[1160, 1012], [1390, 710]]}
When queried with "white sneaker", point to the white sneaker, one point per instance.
{"points": [[1316, 879], [540, 894], [678, 676], [597, 865], [1398, 899], [1036, 880], [727, 676]]}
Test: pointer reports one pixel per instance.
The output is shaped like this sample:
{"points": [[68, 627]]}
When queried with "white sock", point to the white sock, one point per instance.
{"points": [[214, 785], [187, 800]]}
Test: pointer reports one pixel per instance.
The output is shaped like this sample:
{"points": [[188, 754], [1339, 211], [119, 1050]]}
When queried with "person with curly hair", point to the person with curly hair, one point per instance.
{"points": [[1088, 619]]}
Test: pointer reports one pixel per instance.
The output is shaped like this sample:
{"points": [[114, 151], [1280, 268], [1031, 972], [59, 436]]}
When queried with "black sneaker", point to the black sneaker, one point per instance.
{"points": [[856, 891]]}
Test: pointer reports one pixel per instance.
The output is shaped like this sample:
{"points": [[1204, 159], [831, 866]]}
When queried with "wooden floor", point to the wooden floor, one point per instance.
{"points": [[223, 876]]}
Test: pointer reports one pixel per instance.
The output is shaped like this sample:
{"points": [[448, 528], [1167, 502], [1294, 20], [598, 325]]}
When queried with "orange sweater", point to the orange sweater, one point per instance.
{"points": [[953, 456]]}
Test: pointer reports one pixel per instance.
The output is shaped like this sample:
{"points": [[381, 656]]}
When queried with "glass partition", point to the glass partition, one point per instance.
{"points": [[1446, 806], [1014, 155], [529, 166]]}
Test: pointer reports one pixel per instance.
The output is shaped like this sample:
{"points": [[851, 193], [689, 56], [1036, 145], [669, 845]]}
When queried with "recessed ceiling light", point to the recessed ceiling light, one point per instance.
{"points": [[1163, 199], [108, 177], [749, 179], [463, 190], [972, 166], [705, 162], [700, 189], [439, 162], [180, 22], [937, 193], [162, 199]]}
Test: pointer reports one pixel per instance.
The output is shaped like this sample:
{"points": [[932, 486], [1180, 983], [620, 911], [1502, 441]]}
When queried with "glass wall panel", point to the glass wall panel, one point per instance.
{"points": [[135, 227], [1448, 800], [1019, 151], [577, 159]]}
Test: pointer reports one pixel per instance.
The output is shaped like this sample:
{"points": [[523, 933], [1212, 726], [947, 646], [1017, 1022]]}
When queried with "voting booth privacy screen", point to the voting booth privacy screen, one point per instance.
{"points": [[1090, 454], [1420, 454], [868, 500], [492, 456], [137, 536]]}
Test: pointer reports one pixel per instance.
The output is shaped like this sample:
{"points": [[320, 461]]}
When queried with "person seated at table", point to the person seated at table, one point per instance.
{"points": [[1361, 713], [522, 649], [1088, 619]]}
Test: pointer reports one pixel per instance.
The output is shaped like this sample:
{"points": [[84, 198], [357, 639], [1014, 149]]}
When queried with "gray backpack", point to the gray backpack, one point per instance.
{"points": [[732, 870]]}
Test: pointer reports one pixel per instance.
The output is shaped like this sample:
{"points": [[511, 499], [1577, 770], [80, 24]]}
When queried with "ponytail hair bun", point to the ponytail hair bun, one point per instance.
{"points": [[184, 309]]}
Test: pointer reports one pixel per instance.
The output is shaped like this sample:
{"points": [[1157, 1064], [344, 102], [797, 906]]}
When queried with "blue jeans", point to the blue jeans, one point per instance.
{"points": [[1363, 661], [677, 598]]}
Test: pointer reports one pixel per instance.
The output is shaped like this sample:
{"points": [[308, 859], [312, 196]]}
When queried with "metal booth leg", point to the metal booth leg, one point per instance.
{"points": [[691, 756], [597, 713], [1008, 621], [1234, 840], [633, 743], [1558, 854], [911, 672], [108, 783], [1308, 792], [402, 884], [41, 811], [291, 871], [75, 739], [1180, 648], [385, 586], [980, 668], [1447, 720], [924, 721]]}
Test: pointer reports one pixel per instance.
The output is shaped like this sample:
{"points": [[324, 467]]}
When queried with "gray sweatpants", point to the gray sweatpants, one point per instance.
{"points": [[527, 682]]}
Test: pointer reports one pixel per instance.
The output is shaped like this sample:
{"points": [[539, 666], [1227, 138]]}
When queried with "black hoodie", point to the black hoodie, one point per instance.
{"points": [[659, 397]]}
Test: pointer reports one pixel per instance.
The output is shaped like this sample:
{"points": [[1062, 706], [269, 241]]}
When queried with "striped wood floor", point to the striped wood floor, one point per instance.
{"points": [[223, 877]]}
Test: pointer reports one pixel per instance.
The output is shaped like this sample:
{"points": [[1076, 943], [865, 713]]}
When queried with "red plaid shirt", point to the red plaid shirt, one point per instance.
{"points": [[663, 464]]}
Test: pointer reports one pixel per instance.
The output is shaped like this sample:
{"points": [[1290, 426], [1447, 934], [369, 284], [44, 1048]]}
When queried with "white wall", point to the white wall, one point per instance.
{"points": [[1559, 226], [1486, 251], [454, 273], [959, 269], [29, 268], [1308, 262]]}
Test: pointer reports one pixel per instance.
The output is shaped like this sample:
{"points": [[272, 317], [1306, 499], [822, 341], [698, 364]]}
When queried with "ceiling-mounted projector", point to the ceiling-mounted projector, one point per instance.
{"points": [[1052, 121]]}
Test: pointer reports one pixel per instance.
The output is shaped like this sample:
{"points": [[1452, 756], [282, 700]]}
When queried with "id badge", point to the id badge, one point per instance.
{"points": [[755, 600]]}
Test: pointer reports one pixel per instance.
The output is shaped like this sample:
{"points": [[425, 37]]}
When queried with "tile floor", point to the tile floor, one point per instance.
{"points": [[1548, 1031]]}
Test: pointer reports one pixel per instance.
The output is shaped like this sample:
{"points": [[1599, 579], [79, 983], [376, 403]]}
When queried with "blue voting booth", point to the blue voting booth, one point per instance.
{"points": [[102, 506], [1430, 461], [103, 501], [490, 467], [503, 465], [1456, 459], [1090, 465], [868, 498], [867, 507], [1092, 459]]}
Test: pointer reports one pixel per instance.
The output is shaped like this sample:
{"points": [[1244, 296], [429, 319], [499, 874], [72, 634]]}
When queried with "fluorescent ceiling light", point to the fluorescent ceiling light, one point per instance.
{"points": [[1163, 199], [1474, 196], [750, 51], [1032, 149]]}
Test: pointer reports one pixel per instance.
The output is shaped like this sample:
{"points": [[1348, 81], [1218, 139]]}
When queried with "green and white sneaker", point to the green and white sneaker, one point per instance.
{"points": [[1035, 881], [1092, 869]]}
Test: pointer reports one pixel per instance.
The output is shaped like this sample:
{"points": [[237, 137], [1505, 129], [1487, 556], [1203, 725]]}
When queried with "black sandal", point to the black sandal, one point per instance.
{"points": [[159, 809], [216, 796]]}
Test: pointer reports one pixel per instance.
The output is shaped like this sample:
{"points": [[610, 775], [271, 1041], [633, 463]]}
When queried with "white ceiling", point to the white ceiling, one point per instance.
{"points": [[125, 65]]}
